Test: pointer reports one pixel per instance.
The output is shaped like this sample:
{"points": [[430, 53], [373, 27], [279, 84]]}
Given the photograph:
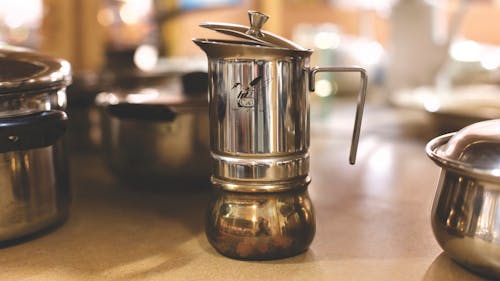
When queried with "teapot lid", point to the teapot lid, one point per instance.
{"points": [[254, 33], [474, 150], [23, 70]]}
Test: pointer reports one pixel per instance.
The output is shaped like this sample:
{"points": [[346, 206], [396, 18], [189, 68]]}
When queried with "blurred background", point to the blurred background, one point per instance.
{"points": [[441, 57]]}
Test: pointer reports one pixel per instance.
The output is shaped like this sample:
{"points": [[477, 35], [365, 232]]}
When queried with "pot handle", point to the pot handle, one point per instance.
{"points": [[33, 130], [143, 112], [360, 102]]}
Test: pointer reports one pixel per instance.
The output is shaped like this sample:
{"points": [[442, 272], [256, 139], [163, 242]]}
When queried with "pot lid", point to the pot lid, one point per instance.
{"points": [[254, 32], [184, 92], [257, 43], [23, 70], [474, 150]]}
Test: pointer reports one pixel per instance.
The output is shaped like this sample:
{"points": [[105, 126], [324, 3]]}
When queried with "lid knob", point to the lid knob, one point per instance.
{"points": [[257, 20]]}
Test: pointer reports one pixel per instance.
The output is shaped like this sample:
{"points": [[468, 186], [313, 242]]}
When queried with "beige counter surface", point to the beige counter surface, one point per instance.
{"points": [[373, 219]]}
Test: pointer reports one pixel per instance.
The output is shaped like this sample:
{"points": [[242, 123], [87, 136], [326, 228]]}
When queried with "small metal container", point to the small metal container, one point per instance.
{"points": [[259, 140], [34, 185], [158, 136], [466, 211]]}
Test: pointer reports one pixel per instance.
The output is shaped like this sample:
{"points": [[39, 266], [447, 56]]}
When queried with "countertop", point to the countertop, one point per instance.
{"points": [[373, 219]]}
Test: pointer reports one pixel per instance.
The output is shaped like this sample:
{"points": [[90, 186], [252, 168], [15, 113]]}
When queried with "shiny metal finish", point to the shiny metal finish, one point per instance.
{"points": [[475, 145], [257, 20], [466, 221], [30, 71], [466, 211], [21, 103], [359, 106], [34, 190], [254, 32], [259, 226], [259, 141], [479, 158], [31, 82], [261, 169], [257, 116], [34, 186]]}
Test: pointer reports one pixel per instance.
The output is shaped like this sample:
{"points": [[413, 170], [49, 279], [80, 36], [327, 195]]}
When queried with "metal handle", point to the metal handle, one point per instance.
{"points": [[360, 102], [30, 131], [144, 112]]}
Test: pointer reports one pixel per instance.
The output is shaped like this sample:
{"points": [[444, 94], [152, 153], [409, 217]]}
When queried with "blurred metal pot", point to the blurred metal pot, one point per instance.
{"points": [[155, 136], [34, 185]]}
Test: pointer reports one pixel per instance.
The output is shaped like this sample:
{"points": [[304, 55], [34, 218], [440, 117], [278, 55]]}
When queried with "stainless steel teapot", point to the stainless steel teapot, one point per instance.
{"points": [[259, 139]]}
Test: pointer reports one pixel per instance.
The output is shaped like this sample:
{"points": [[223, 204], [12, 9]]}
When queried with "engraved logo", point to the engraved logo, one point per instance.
{"points": [[246, 94]]}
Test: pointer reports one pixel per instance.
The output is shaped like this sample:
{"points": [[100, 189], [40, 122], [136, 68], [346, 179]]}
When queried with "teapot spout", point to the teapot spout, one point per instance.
{"points": [[201, 44], [211, 48]]}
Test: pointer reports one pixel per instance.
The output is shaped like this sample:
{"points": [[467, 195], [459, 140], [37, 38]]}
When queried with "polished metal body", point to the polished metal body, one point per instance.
{"points": [[466, 210], [259, 141], [260, 226], [259, 115], [34, 185], [34, 191]]}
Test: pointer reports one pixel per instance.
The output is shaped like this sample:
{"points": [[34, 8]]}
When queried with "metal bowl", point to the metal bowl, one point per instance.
{"points": [[466, 210]]}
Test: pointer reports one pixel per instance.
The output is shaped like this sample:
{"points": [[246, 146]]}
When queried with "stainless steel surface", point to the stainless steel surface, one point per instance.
{"points": [[465, 213], [31, 82], [473, 151], [259, 141], [360, 103], [259, 111], [25, 103], [260, 170], [476, 145], [28, 70], [254, 32], [34, 191], [260, 226], [259, 115], [260, 187], [34, 187]]}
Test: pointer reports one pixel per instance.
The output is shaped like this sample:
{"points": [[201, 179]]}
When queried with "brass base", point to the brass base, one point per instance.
{"points": [[260, 226]]}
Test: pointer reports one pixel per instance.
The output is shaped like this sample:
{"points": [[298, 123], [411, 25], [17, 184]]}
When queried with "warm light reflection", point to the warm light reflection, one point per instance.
{"points": [[61, 98], [323, 88], [105, 17], [135, 266], [380, 165], [466, 51], [18, 13], [144, 96], [490, 60], [488, 214], [326, 40], [367, 53], [146, 57], [133, 11], [432, 104]]}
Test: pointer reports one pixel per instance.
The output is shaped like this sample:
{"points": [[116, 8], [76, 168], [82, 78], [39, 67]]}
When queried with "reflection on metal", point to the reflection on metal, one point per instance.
{"points": [[260, 225], [466, 213], [259, 141], [34, 190]]}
